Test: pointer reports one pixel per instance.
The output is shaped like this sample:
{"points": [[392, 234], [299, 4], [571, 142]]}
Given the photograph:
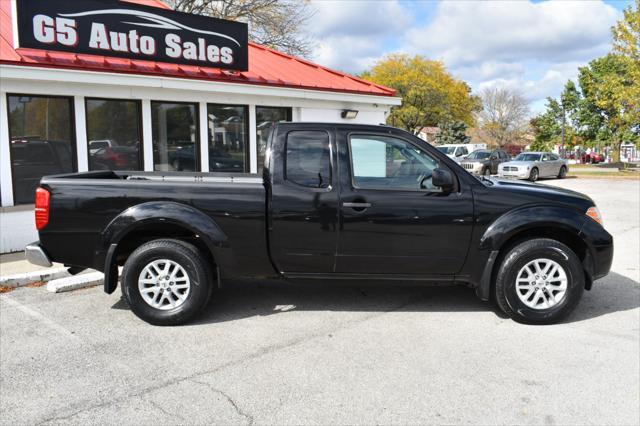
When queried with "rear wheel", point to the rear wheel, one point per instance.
{"points": [[166, 282], [534, 174], [563, 173], [540, 281]]}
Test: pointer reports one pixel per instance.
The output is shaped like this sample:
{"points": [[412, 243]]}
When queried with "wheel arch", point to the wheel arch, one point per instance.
{"points": [[556, 223], [155, 220]]}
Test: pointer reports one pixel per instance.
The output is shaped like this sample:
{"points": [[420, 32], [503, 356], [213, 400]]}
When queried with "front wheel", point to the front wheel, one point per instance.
{"points": [[487, 172], [166, 282], [563, 173], [540, 281], [534, 175]]}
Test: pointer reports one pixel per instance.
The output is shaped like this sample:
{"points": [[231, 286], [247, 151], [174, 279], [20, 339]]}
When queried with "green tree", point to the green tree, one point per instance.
{"points": [[452, 132], [604, 107], [430, 94]]}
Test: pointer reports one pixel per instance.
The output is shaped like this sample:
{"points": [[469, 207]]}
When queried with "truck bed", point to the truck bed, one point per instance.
{"points": [[84, 205]]}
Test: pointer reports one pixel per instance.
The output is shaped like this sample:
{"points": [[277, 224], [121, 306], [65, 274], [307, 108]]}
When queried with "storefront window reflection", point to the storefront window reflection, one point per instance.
{"points": [[113, 132], [175, 136], [265, 119], [227, 138], [41, 141]]}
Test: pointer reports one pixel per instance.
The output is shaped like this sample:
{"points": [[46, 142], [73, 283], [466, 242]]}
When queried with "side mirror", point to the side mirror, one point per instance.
{"points": [[444, 179]]}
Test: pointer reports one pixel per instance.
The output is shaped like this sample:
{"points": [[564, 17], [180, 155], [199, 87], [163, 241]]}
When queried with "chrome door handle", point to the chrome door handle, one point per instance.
{"points": [[357, 205]]}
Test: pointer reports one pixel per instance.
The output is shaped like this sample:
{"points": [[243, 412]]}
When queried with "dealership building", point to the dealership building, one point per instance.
{"points": [[133, 85]]}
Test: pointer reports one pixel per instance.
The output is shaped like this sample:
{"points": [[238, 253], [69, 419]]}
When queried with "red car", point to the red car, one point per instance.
{"points": [[593, 158]]}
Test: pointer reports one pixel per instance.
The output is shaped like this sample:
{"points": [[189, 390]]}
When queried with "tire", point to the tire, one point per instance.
{"points": [[486, 172], [176, 166], [534, 174], [547, 304], [563, 173], [174, 301]]}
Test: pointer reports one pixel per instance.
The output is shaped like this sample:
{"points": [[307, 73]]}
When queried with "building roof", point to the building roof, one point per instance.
{"points": [[267, 67]]}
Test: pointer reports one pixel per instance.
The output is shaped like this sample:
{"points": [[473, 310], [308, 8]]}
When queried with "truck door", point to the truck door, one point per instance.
{"points": [[303, 208], [394, 221]]}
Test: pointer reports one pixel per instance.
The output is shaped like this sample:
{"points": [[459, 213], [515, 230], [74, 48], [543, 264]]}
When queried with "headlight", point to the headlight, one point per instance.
{"points": [[594, 214]]}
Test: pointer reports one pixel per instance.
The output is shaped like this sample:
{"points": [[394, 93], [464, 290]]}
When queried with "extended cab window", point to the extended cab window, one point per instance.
{"points": [[308, 161], [384, 162]]}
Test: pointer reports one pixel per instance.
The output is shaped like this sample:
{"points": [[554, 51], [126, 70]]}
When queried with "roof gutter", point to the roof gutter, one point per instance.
{"points": [[47, 73]]}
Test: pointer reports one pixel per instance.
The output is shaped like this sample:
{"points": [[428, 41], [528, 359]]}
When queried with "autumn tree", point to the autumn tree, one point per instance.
{"points": [[504, 115], [604, 107], [430, 94], [278, 24]]}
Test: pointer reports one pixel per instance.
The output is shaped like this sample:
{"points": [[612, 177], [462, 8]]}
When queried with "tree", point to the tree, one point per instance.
{"points": [[430, 94], [606, 83], [504, 114], [277, 24], [452, 132]]}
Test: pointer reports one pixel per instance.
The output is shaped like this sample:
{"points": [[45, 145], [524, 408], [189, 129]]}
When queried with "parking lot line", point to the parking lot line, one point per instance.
{"points": [[40, 317]]}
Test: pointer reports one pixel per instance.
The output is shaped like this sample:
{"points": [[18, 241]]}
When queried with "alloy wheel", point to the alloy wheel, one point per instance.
{"points": [[541, 284], [164, 284]]}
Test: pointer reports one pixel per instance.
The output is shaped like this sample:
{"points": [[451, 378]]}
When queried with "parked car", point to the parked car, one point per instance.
{"points": [[592, 158], [484, 162], [340, 202], [33, 158], [115, 158], [534, 165], [95, 145], [459, 151]]}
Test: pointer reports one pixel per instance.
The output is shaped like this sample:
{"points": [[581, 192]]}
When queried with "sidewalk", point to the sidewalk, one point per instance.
{"points": [[15, 263]]}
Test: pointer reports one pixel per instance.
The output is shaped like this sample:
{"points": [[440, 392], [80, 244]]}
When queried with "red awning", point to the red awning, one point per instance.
{"points": [[267, 67]]}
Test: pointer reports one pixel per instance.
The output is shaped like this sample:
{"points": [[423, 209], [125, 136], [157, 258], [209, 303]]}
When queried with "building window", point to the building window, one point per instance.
{"points": [[266, 117], [308, 160], [228, 138], [175, 136], [41, 141], [114, 134]]}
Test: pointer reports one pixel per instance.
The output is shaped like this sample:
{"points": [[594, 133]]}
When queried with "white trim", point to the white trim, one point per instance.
{"points": [[136, 80], [147, 136], [204, 136], [14, 24], [81, 133], [6, 183], [253, 140]]}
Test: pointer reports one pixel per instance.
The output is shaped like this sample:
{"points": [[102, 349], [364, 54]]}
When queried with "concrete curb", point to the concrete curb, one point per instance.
{"points": [[75, 282], [26, 278]]}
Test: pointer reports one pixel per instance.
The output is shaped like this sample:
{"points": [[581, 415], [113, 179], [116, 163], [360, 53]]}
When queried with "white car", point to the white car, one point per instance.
{"points": [[458, 152], [534, 165]]}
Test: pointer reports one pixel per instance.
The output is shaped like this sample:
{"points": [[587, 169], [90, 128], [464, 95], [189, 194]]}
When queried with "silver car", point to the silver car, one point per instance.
{"points": [[534, 165]]}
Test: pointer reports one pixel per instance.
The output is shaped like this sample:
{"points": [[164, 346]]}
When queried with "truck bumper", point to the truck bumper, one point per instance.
{"points": [[36, 255]]}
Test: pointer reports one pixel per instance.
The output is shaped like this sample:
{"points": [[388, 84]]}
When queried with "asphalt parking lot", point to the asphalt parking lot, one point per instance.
{"points": [[272, 353]]}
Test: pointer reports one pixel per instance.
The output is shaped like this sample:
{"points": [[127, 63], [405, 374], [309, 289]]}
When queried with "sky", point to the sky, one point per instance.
{"points": [[532, 46]]}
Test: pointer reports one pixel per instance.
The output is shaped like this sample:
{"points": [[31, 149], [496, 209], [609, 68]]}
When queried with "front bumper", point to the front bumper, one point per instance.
{"points": [[473, 168], [36, 255], [520, 174]]}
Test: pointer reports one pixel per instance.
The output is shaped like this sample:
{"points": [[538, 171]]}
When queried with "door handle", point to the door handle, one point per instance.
{"points": [[357, 205]]}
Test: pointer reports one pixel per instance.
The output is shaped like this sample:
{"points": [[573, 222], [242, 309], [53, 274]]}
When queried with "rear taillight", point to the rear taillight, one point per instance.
{"points": [[43, 201]]}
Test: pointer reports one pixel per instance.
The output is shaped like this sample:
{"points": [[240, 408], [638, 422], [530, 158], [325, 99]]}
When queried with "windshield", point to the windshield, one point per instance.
{"points": [[479, 155], [447, 149], [528, 157]]}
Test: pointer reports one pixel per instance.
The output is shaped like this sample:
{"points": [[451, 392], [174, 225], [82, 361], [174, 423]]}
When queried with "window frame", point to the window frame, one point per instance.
{"points": [[197, 148], [329, 187], [261, 166], [140, 129], [72, 134], [247, 129], [419, 190]]}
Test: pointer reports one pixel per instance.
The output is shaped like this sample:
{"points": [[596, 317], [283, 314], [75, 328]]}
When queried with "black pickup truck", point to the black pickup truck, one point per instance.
{"points": [[340, 202]]}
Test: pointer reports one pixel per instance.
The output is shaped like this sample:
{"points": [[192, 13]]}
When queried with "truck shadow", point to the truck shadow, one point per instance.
{"points": [[240, 299]]}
